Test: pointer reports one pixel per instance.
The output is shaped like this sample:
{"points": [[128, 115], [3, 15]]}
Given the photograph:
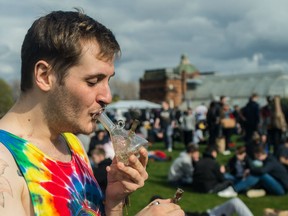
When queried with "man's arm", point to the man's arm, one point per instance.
{"points": [[266, 168], [218, 174], [12, 187]]}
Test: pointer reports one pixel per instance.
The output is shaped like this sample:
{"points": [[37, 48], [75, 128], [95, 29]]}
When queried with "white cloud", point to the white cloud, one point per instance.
{"points": [[6, 69], [228, 36]]}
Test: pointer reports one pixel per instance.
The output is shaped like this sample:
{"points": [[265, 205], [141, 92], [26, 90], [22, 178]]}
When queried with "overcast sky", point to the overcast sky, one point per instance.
{"points": [[228, 36]]}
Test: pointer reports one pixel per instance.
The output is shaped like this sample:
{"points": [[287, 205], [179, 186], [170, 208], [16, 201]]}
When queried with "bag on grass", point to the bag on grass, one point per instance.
{"points": [[228, 123]]}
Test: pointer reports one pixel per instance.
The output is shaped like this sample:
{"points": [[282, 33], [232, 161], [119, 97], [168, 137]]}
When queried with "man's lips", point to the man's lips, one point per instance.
{"points": [[96, 114]]}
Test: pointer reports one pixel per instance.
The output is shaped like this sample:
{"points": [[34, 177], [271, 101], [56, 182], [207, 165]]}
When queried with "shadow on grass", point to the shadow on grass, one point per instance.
{"points": [[162, 182]]}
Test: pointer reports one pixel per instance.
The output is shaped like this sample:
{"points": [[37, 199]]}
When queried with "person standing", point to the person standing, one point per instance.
{"points": [[227, 129], [166, 121], [67, 61], [278, 125], [213, 123], [251, 113], [188, 126]]}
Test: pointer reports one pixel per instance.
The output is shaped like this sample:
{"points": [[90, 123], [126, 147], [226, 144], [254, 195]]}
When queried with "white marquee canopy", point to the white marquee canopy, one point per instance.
{"points": [[133, 104]]}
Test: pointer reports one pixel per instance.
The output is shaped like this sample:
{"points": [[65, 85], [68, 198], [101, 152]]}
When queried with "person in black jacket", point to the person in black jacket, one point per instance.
{"points": [[238, 166], [267, 173], [251, 113], [99, 169], [208, 176], [273, 175], [100, 138], [239, 171]]}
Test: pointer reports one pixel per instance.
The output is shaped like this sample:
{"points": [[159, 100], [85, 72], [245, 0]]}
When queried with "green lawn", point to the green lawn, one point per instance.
{"points": [[191, 201]]}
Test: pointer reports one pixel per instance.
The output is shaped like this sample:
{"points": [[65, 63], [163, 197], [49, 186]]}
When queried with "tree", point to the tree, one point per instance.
{"points": [[115, 98], [6, 97], [15, 86]]}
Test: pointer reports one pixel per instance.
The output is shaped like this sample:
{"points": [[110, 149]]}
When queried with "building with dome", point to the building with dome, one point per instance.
{"points": [[168, 84], [185, 86]]}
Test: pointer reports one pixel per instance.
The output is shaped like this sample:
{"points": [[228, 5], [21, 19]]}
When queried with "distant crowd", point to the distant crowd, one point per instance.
{"points": [[257, 167]]}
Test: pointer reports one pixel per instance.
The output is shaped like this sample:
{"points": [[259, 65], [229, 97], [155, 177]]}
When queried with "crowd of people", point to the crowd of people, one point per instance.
{"points": [[259, 128], [257, 166]]}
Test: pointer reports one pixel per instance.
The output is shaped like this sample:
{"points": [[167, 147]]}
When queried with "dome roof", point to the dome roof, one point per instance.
{"points": [[186, 66]]}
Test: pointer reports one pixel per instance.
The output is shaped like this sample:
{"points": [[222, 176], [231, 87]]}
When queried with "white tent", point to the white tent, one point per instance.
{"points": [[133, 104]]}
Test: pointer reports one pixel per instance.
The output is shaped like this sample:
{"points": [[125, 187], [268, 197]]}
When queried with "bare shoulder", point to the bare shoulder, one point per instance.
{"points": [[13, 187]]}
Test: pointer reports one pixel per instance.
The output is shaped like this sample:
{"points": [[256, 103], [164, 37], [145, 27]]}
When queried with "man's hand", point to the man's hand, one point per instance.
{"points": [[123, 180], [161, 207]]}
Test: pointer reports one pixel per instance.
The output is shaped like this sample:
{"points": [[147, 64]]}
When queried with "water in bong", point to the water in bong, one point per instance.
{"points": [[125, 142], [122, 148]]}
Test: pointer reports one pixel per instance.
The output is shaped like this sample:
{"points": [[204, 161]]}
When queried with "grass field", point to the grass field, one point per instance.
{"points": [[191, 201]]}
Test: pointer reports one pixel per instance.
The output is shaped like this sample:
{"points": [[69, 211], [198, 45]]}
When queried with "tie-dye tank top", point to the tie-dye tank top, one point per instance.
{"points": [[56, 188]]}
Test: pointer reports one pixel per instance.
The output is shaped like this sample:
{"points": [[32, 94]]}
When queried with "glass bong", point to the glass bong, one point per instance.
{"points": [[125, 142]]}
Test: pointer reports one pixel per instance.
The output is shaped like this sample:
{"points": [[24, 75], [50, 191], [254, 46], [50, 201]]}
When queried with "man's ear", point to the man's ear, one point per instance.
{"points": [[44, 77]]}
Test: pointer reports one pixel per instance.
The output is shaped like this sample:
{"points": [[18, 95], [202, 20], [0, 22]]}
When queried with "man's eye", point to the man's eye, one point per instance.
{"points": [[91, 83]]}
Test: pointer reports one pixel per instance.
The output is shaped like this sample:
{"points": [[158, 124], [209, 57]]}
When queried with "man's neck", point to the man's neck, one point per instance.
{"points": [[26, 119]]}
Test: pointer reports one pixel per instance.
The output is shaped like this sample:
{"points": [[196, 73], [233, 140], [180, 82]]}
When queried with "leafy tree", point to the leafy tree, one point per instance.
{"points": [[6, 97], [115, 98]]}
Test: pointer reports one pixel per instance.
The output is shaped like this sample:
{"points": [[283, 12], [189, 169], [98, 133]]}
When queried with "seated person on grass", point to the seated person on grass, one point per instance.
{"points": [[266, 172], [208, 176], [238, 166], [181, 170], [273, 175], [158, 155], [283, 154], [98, 157]]}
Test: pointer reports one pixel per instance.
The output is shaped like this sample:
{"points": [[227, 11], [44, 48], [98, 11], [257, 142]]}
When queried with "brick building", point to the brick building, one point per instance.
{"points": [[169, 84]]}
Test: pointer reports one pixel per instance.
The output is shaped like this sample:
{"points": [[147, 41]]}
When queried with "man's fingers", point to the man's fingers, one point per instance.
{"points": [[143, 156], [137, 165]]}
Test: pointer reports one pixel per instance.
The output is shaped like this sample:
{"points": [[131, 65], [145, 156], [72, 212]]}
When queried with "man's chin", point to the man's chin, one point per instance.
{"points": [[89, 129]]}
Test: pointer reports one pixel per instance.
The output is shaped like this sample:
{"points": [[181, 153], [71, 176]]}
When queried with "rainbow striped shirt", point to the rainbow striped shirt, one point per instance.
{"points": [[57, 188]]}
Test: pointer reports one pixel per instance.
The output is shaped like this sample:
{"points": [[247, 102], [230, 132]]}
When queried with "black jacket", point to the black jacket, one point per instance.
{"points": [[100, 173], [252, 114], [232, 168], [207, 174], [274, 168]]}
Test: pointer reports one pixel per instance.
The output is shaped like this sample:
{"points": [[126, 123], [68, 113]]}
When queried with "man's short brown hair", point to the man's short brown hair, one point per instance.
{"points": [[191, 147], [240, 149], [58, 38]]}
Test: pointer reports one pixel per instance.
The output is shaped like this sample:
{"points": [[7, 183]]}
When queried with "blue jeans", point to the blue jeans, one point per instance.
{"points": [[270, 184], [230, 177], [241, 184], [246, 183], [168, 140]]}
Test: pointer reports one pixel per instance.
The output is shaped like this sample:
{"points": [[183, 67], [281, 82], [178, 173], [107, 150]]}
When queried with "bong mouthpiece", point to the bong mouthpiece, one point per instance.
{"points": [[106, 122]]}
